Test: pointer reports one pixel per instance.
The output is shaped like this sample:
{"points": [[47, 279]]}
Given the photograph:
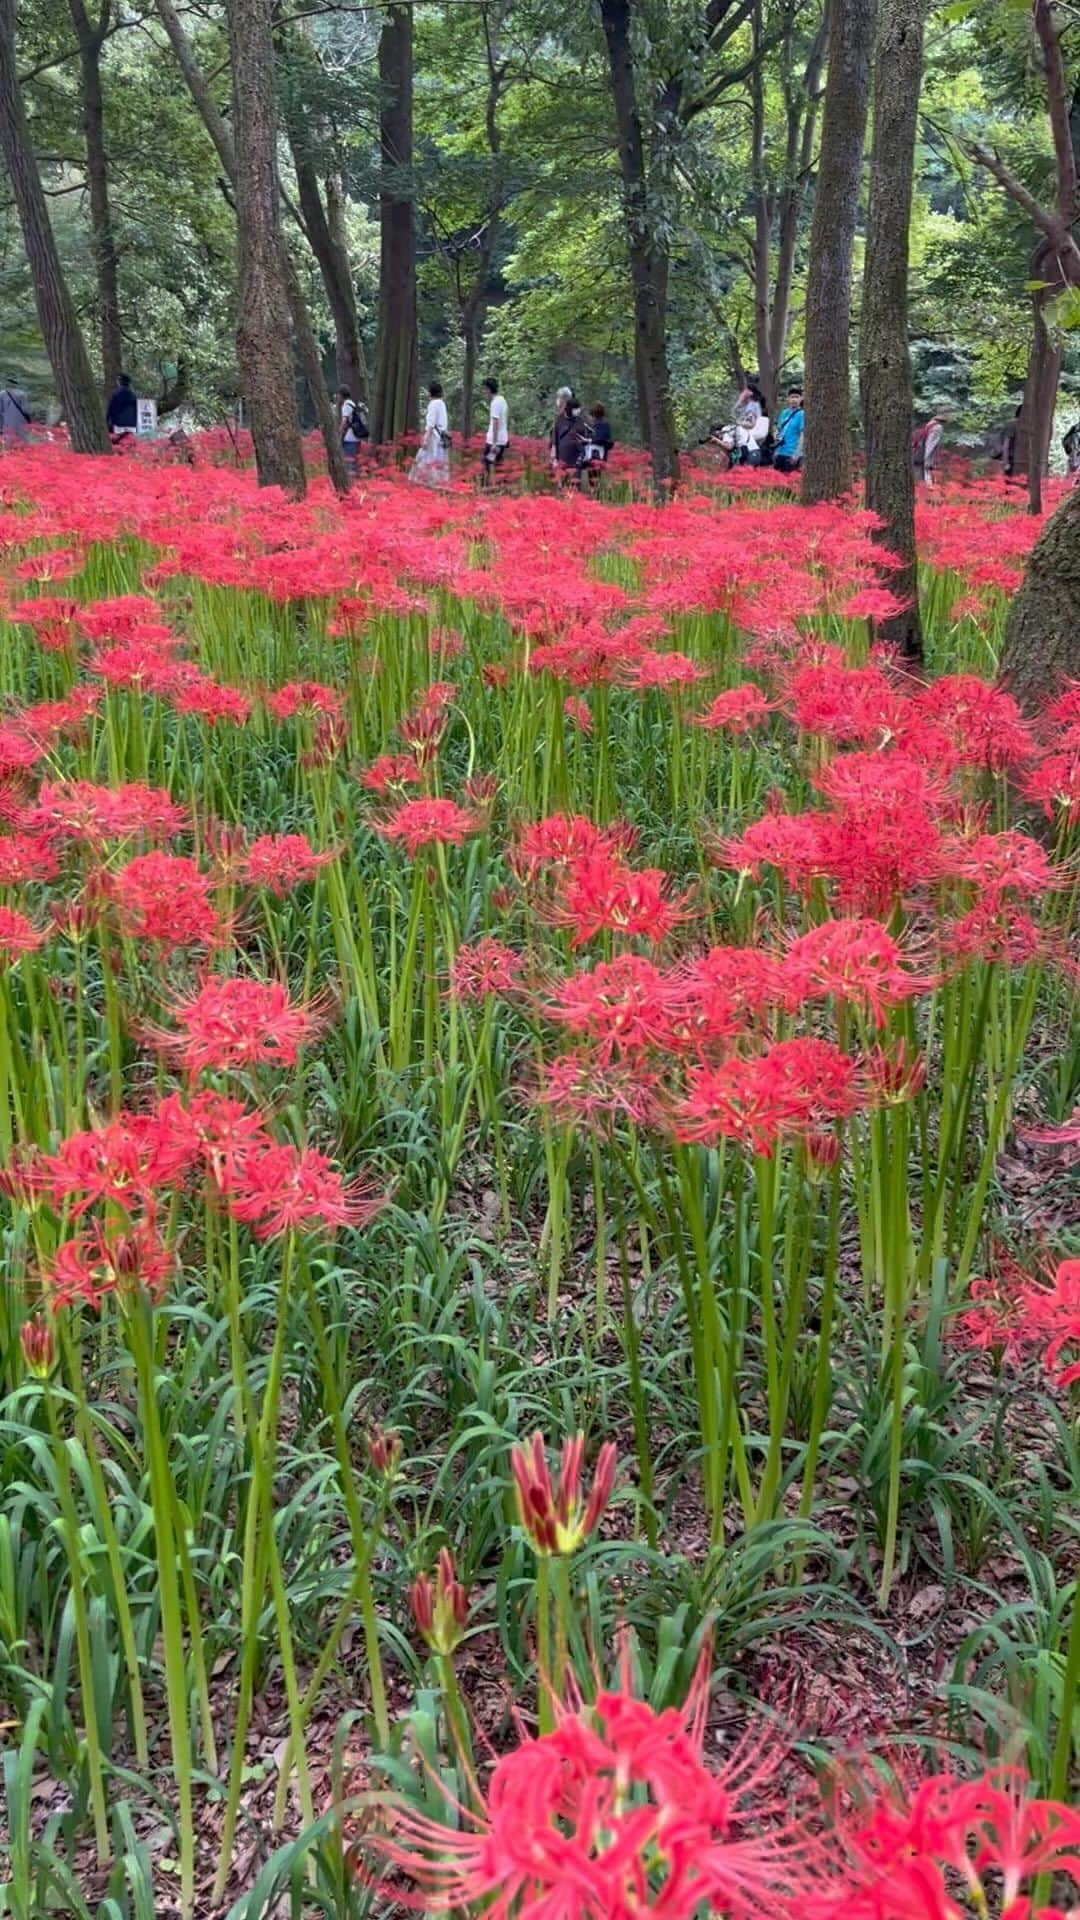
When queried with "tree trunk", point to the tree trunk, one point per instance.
{"points": [[648, 257], [827, 461], [64, 344], [1042, 637], [262, 331], [885, 359], [395, 404], [91, 39], [350, 366], [802, 115], [1040, 402], [352, 360], [307, 346]]}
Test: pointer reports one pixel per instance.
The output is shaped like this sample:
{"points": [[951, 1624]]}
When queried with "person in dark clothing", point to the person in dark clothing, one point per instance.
{"points": [[569, 435], [122, 416], [598, 445]]}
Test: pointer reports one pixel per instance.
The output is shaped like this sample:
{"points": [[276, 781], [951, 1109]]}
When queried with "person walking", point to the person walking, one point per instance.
{"points": [[497, 437], [432, 464], [790, 427], [598, 445], [925, 442], [122, 413], [14, 415], [354, 430]]}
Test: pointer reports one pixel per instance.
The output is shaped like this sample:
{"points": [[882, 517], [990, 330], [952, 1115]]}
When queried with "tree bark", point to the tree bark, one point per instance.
{"points": [[333, 264], [91, 38], [262, 330], [395, 403], [1042, 637], [827, 461], [648, 257], [1040, 402], [885, 358], [64, 343], [351, 356], [791, 200]]}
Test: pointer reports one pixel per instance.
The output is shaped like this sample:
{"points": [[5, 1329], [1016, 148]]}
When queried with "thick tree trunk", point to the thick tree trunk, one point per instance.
{"points": [[1042, 638], [64, 344], [225, 148], [395, 404], [262, 332], [827, 461], [885, 359], [91, 39], [648, 257]]}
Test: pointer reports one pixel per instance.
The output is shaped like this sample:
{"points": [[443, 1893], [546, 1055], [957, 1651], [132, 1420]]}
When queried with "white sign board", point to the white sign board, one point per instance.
{"points": [[146, 418]]}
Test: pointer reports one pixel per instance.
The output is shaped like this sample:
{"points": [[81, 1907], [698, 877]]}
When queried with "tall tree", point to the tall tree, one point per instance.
{"points": [[827, 462], [1056, 261], [262, 330], [395, 402], [778, 203], [224, 146], [648, 253], [1042, 638], [64, 343], [91, 33], [884, 354]]}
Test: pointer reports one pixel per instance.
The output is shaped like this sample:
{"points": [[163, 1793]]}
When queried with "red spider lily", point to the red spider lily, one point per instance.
{"points": [[624, 1006], [668, 671], [217, 1132], [487, 967], [281, 861], [935, 1852], [57, 565], [79, 810], [893, 1075], [390, 770], [440, 1607], [854, 961], [1051, 1319], [17, 935], [559, 1522], [562, 838], [423, 732], [1001, 863], [285, 1189], [844, 703], [795, 1086], [873, 603], [127, 1161], [982, 722], [578, 712], [580, 1091], [997, 932], [142, 663], [612, 1814], [737, 710], [726, 988], [1054, 783], [198, 693], [427, 823], [601, 893], [236, 1022], [164, 898], [303, 696], [113, 619], [99, 1262]]}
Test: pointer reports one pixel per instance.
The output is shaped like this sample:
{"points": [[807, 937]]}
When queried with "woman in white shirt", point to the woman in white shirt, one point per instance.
{"points": [[432, 463]]}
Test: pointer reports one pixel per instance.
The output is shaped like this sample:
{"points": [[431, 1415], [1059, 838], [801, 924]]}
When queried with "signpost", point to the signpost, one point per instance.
{"points": [[146, 419]]}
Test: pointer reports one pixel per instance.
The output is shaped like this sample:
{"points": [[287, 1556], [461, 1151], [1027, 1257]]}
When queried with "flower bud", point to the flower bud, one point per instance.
{"points": [[560, 1522], [38, 1347]]}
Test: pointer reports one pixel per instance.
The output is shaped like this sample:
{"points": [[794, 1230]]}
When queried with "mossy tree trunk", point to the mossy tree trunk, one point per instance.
{"points": [[1042, 638]]}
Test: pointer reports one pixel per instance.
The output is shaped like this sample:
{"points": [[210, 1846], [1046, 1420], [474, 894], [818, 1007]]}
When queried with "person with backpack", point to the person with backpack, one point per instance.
{"points": [[1071, 444], [14, 415], [432, 464], [354, 429], [597, 449], [925, 442], [790, 426], [122, 412], [497, 437]]}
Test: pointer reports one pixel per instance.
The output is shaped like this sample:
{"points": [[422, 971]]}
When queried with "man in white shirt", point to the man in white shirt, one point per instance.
{"points": [[498, 431]]}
